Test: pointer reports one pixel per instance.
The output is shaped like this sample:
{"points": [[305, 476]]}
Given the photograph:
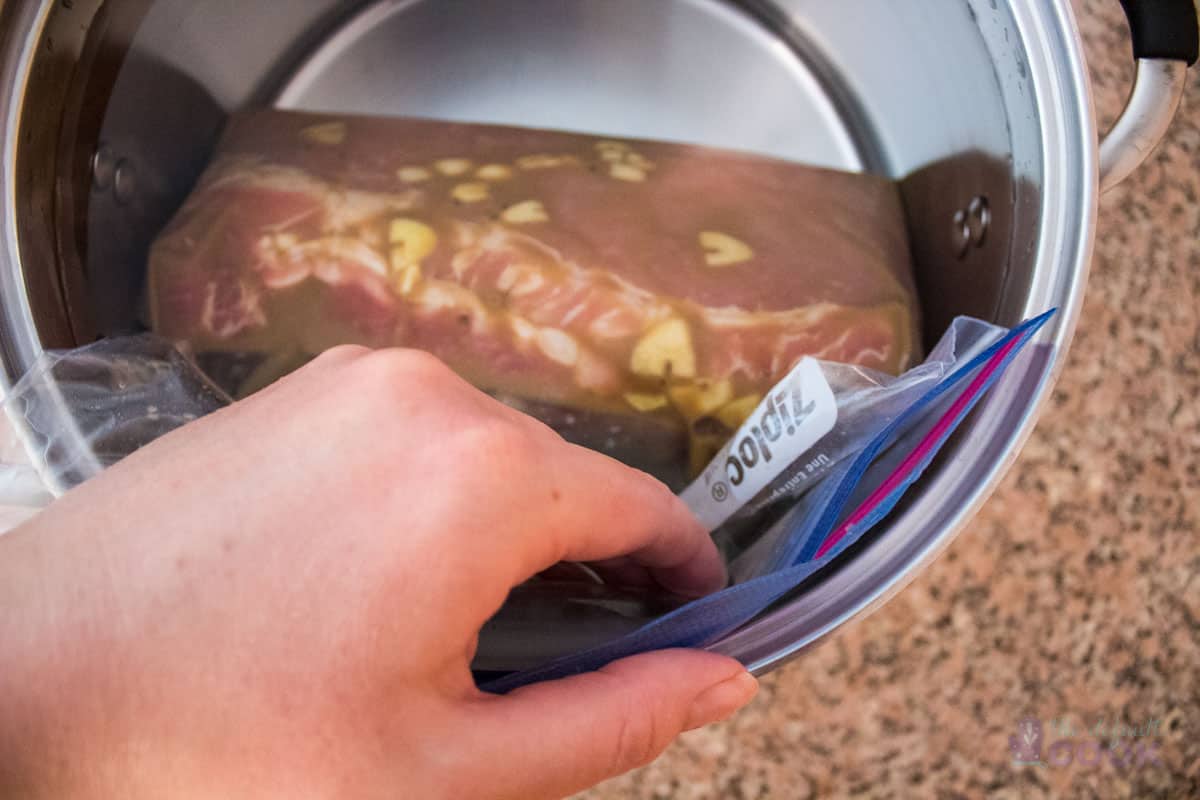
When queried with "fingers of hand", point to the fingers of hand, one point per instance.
{"points": [[549, 501], [558, 737], [596, 509]]}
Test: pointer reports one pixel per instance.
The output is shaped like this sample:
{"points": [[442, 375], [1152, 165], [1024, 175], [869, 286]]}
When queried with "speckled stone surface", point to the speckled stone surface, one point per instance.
{"points": [[1076, 592]]}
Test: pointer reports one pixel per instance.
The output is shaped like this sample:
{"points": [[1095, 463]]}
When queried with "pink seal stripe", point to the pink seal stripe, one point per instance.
{"points": [[927, 444]]}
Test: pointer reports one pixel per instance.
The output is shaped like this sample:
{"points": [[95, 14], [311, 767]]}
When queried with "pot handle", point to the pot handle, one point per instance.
{"points": [[1166, 41]]}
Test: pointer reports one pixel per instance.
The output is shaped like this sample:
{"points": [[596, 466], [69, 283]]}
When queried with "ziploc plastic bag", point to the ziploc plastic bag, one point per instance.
{"points": [[636, 296], [82, 410], [819, 529], [819, 416], [79, 411]]}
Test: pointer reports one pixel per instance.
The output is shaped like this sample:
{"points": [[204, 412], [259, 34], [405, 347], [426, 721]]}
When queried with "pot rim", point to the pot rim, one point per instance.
{"points": [[1067, 213], [949, 499], [21, 33]]}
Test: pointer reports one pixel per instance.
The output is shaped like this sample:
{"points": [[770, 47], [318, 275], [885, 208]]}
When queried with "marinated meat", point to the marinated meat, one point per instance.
{"points": [[616, 277]]}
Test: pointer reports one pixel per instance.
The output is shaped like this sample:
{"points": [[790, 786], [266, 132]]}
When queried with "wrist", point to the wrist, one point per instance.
{"points": [[50, 670], [25, 740]]}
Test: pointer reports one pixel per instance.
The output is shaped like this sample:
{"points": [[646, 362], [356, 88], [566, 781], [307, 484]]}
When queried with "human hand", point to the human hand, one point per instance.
{"points": [[283, 599]]}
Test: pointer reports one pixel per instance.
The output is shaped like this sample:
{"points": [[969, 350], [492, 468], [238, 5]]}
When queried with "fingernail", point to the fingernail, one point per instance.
{"points": [[721, 701]]}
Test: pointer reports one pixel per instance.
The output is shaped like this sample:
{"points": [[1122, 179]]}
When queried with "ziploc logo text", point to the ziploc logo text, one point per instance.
{"points": [[754, 448], [796, 413]]}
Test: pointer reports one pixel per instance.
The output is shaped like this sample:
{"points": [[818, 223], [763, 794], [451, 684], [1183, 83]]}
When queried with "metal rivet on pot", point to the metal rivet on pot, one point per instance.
{"points": [[971, 225], [103, 167], [124, 182], [979, 217]]}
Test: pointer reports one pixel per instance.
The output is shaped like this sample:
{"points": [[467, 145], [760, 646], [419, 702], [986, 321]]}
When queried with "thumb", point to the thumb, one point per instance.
{"points": [[555, 738]]}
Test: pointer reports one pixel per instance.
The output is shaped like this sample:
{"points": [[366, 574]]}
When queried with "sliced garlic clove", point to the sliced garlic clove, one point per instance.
{"points": [[494, 172], [413, 174], [525, 213], [627, 172], [639, 161], [700, 399], [327, 133], [738, 411], [722, 250], [453, 167], [412, 241], [646, 402], [543, 161], [665, 351], [471, 192]]}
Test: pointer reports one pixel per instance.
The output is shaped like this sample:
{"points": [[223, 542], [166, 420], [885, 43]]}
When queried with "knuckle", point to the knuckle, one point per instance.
{"points": [[638, 740], [342, 354], [505, 442], [334, 360], [413, 363], [655, 496], [641, 726], [664, 500], [403, 370]]}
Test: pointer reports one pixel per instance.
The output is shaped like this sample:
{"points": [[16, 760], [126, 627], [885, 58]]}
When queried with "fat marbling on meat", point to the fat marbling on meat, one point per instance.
{"points": [[628, 279]]}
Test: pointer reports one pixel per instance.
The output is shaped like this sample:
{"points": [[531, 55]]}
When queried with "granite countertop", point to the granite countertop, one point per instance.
{"points": [[1073, 597]]}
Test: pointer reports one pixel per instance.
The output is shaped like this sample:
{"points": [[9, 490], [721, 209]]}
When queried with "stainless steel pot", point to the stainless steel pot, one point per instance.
{"points": [[981, 108]]}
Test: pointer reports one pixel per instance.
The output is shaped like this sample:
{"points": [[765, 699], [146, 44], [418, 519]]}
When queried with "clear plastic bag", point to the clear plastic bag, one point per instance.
{"points": [[819, 528], [761, 536], [79, 411], [865, 401], [82, 410]]}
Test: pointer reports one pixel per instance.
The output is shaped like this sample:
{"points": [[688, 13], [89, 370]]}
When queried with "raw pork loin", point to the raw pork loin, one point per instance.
{"points": [[616, 278]]}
